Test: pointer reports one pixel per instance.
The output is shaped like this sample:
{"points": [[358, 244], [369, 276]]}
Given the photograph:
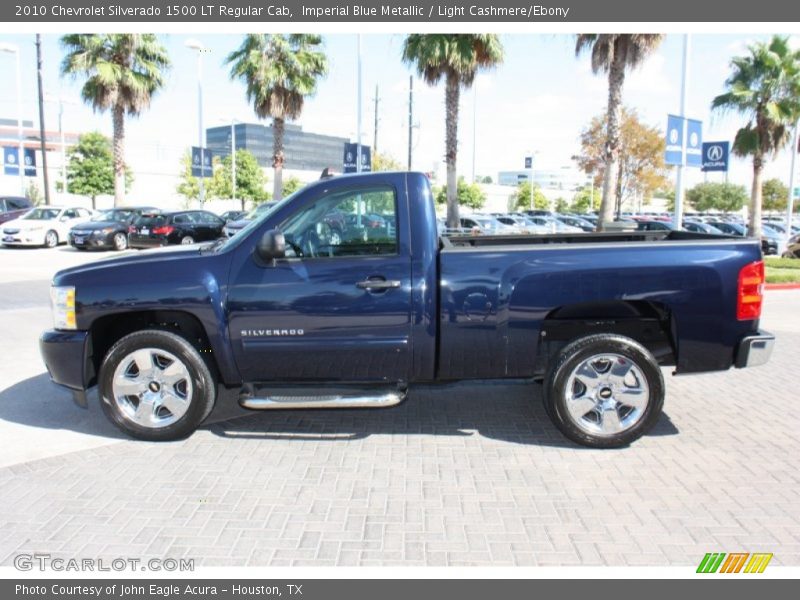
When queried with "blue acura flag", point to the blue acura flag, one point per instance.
{"points": [[11, 161], [694, 143], [674, 151]]}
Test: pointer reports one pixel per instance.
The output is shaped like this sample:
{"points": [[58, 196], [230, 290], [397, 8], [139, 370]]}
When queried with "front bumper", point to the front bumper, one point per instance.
{"points": [[91, 241], [65, 356], [23, 238], [754, 350]]}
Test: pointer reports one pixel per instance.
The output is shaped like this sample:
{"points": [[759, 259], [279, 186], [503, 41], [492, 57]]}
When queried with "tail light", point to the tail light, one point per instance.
{"points": [[165, 230], [750, 293]]}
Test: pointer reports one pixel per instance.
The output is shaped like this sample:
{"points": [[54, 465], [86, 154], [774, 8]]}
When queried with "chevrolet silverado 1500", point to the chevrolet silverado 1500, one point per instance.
{"points": [[343, 295]]}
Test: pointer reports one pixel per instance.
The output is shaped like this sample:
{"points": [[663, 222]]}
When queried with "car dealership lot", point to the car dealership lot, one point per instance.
{"points": [[467, 474]]}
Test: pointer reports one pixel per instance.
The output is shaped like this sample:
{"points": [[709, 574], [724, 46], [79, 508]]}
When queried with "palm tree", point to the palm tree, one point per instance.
{"points": [[123, 71], [764, 86], [280, 71], [456, 58], [614, 53]]}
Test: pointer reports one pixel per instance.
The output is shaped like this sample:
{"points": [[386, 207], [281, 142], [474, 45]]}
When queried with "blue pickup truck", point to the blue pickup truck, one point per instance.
{"points": [[343, 295]]}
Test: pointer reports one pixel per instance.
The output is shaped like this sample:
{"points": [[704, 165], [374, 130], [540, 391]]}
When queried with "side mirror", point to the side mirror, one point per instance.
{"points": [[271, 246]]}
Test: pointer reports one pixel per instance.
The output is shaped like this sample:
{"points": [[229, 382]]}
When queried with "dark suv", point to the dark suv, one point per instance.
{"points": [[12, 207], [107, 229], [183, 227]]}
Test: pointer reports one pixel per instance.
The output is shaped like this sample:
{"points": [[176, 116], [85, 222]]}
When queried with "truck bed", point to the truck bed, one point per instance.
{"points": [[473, 241]]}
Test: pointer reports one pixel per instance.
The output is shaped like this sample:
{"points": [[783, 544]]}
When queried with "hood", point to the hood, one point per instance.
{"points": [[95, 225], [240, 224], [27, 224], [158, 256]]}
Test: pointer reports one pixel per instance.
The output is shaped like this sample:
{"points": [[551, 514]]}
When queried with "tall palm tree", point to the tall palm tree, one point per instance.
{"points": [[614, 54], [123, 71], [764, 86], [280, 71], [456, 58]]}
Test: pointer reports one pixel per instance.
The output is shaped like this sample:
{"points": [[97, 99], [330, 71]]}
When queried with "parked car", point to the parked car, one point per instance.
{"points": [[232, 215], [653, 225], [151, 230], [486, 225], [108, 229], [288, 320], [46, 226], [700, 227], [578, 222], [234, 227], [769, 245], [12, 207]]}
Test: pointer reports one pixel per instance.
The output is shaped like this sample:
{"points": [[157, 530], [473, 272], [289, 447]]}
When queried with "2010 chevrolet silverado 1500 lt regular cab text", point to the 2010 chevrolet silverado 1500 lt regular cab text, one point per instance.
{"points": [[343, 295]]}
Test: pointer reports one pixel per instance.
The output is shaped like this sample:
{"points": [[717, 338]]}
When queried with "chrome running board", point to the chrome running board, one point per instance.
{"points": [[374, 400]]}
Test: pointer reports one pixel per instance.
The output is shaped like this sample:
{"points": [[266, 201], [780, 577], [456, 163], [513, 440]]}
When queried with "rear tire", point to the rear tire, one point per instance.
{"points": [[604, 391], [155, 386]]}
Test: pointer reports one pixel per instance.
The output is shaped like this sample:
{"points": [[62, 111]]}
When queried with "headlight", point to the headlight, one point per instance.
{"points": [[62, 299]]}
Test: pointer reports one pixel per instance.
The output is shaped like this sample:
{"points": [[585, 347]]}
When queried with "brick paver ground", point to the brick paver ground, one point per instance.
{"points": [[471, 474]]}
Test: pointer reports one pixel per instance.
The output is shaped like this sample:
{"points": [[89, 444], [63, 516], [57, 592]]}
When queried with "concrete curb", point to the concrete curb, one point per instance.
{"points": [[782, 286]]}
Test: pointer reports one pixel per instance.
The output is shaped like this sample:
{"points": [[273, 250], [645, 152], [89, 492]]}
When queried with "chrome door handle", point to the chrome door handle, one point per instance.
{"points": [[378, 284]]}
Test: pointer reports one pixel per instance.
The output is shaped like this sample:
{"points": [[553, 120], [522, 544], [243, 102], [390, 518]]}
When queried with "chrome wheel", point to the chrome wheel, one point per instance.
{"points": [[120, 241], [187, 240], [606, 394], [51, 239], [152, 388]]}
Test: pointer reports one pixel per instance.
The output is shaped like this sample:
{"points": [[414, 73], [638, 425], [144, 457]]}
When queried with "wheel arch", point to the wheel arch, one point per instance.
{"points": [[649, 323]]}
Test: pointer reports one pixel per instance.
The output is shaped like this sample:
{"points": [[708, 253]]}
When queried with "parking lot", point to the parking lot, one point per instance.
{"points": [[468, 474]]}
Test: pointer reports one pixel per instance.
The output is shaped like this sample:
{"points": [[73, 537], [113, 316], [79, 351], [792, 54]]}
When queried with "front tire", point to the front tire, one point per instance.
{"points": [[50, 239], [187, 240], [120, 241], [604, 391], [155, 386]]}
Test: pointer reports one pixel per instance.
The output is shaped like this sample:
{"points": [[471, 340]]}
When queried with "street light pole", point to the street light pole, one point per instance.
{"points": [[790, 204], [358, 110], [13, 49], [199, 48], [677, 217]]}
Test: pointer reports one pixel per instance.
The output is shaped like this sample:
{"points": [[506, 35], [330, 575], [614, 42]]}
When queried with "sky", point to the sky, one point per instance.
{"points": [[538, 100]]}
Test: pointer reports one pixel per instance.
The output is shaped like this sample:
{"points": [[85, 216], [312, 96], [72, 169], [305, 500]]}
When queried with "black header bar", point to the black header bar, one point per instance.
{"points": [[416, 11]]}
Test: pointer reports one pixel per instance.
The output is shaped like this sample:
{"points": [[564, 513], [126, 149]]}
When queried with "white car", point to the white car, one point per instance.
{"points": [[46, 226]]}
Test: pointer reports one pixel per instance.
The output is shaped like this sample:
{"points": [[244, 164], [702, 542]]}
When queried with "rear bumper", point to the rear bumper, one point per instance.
{"points": [[754, 350], [65, 356], [137, 241]]}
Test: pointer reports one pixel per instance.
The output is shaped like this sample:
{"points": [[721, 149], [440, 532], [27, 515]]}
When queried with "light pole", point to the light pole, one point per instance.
{"points": [[199, 48], [795, 147], [358, 110], [13, 49], [677, 217], [61, 101]]}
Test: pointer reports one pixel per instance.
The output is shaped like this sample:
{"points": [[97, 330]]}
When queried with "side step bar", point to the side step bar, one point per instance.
{"points": [[285, 399]]}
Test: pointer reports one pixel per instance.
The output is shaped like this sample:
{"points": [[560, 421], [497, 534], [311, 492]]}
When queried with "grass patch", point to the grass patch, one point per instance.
{"points": [[775, 262], [782, 275]]}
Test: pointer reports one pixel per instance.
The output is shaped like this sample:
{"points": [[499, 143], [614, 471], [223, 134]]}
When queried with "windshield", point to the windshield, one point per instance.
{"points": [[258, 217], [42, 214], [107, 215]]}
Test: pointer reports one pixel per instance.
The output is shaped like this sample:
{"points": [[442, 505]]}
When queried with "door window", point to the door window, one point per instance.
{"points": [[357, 222]]}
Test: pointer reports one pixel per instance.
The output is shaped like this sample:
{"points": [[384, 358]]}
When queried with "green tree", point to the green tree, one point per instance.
{"points": [[90, 167], [764, 87], [469, 194], [521, 199], [774, 195], [487, 179], [456, 59], [279, 71], [586, 200], [726, 197], [189, 185], [640, 157], [614, 54], [291, 185], [561, 205], [385, 162], [123, 71], [250, 179]]}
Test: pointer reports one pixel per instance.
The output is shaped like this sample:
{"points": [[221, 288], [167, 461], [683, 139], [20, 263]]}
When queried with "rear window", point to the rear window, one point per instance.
{"points": [[151, 220]]}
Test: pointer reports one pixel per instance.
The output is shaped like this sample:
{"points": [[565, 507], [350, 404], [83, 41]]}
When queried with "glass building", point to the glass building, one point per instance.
{"points": [[304, 151]]}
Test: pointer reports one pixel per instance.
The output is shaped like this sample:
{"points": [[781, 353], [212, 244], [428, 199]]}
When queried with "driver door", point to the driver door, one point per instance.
{"points": [[338, 307]]}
